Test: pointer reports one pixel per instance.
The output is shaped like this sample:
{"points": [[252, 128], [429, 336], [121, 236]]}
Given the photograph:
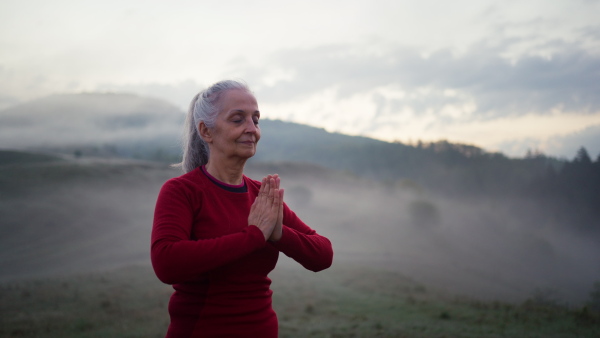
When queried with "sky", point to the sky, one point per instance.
{"points": [[508, 76]]}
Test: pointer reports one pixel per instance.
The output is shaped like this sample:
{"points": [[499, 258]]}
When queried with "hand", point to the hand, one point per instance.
{"points": [[264, 212], [278, 230]]}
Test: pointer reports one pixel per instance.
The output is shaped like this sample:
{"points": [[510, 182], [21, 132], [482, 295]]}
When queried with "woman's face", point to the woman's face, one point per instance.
{"points": [[236, 130]]}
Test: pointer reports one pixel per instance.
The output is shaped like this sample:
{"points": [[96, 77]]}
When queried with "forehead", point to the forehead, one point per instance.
{"points": [[238, 100]]}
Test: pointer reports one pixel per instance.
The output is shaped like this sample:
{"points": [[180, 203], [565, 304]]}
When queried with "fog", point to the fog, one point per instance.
{"points": [[88, 215], [74, 217], [479, 248]]}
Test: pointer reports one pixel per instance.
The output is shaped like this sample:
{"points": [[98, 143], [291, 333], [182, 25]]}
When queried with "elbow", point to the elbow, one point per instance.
{"points": [[329, 261], [163, 275], [324, 261], [162, 272], [165, 278], [321, 267], [162, 269]]}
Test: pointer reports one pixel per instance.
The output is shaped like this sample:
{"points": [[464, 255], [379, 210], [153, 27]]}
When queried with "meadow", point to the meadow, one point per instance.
{"points": [[345, 301], [74, 258]]}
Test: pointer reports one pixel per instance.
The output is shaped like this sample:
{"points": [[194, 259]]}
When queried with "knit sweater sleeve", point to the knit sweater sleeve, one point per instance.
{"points": [[303, 244], [175, 256]]}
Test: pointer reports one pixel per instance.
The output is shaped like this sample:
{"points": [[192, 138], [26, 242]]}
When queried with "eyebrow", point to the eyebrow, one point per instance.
{"points": [[239, 111]]}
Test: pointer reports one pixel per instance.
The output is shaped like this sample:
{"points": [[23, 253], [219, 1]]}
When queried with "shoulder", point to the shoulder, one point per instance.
{"points": [[191, 181], [188, 189]]}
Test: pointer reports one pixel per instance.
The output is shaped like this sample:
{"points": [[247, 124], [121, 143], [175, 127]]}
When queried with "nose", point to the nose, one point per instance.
{"points": [[250, 126]]}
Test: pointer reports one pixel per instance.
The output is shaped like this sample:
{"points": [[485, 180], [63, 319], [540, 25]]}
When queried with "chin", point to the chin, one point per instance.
{"points": [[247, 154]]}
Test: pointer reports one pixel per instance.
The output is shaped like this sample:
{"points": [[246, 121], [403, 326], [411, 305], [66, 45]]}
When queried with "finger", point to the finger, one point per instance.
{"points": [[271, 184], [254, 204], [281, 191], [276, 200], [265, 187], [277, 230], [261, 198]]}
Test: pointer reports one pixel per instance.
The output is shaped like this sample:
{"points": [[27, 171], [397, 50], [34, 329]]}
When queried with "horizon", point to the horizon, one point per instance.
{"points": [[410, 142]]}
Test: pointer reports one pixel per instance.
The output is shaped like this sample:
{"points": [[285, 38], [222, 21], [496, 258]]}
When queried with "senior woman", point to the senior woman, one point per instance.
{"points": [[217, 233]]}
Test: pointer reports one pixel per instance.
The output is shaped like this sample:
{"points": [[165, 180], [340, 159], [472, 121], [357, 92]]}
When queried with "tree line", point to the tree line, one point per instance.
{"points": [[568, 191]]}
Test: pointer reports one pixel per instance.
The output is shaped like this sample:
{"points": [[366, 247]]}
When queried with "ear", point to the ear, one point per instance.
{"points": [[205, 132]]}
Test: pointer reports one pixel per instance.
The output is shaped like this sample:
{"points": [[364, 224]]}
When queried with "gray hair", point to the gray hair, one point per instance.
{"points": [[204, 107]]}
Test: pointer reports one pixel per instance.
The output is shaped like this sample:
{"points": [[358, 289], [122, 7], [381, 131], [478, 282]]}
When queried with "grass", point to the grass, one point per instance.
{"points": [[345, 301], [360, 302], [123, 303], [61, 216]]}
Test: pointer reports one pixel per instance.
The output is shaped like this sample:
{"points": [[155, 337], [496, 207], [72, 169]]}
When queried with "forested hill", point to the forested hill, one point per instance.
{"points": [[131, 126], [441, 166]]}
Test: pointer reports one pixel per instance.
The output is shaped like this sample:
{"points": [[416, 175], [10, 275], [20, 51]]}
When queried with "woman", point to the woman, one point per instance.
{"points": [[217, 233]]}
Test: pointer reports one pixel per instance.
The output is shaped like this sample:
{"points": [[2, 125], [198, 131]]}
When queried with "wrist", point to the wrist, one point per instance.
{"points": [[276, 237]]}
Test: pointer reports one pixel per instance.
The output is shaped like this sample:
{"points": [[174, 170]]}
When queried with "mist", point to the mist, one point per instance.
{"points": [[485, 249], [89, 119], [75, 211]]}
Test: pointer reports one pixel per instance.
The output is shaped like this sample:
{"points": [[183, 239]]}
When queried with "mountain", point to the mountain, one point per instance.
{"points": [[136, 127], [93, 124]]}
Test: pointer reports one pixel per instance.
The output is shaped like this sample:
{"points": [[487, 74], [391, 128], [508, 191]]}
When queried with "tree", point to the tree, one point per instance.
{"points": [[594, 301], [582, 157]]}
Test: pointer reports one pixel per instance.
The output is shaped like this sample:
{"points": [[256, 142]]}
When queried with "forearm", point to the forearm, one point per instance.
{"points": [[178, 260], [311, 250]]}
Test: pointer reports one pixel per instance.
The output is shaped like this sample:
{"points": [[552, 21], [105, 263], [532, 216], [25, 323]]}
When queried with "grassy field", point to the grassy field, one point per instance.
{"points": [[345, 301], [66, 225]]}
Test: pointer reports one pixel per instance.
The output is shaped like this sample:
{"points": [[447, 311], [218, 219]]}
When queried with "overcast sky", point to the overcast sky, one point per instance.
{"points": [[504, 75]]}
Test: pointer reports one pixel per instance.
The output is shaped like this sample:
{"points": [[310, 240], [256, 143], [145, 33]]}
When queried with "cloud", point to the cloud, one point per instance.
{"points": [[566, 81], [483, 95], [7, 101], [564, 146], [180, 93], [569, 144], [378, 68]]}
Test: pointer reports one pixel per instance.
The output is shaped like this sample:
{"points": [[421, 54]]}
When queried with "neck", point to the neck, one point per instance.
{"points": [[230, 172]]}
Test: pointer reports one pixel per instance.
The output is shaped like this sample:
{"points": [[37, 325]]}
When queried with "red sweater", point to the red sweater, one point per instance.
{"points": [[217, 263]]}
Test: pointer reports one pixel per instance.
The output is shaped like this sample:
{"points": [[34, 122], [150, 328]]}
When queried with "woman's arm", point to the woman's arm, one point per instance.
{"points": [[175, 256], [301, 243]]}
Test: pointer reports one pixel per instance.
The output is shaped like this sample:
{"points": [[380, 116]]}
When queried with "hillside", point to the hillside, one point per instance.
{"points": [[95, 124], [137, 127], [563, 193], [129, 126]]}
